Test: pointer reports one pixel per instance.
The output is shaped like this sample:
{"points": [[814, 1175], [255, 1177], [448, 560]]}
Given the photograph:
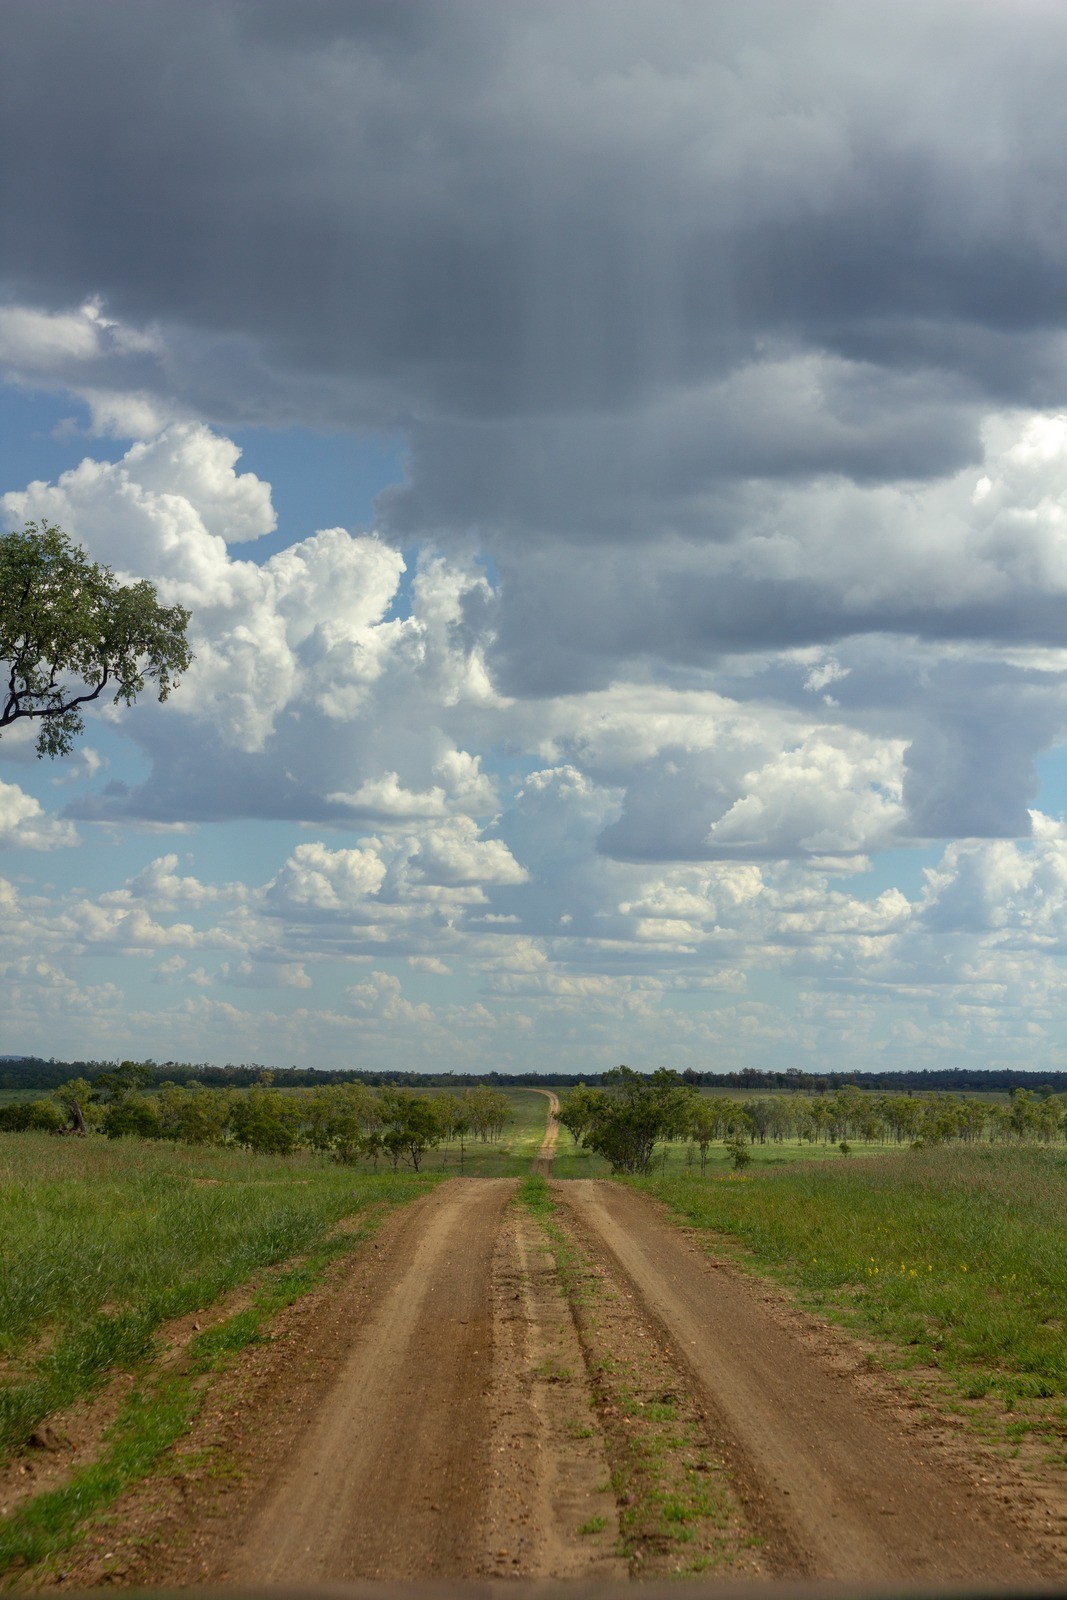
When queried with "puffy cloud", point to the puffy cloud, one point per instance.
{"points": [[455, 854], [191, 461], [318, 879], [264, 975], [165, 511], [160, 887], [385, 797], [736, 481], [820, 797], [24, 823], [1016, 895], [381, 997], [429, 964], [38, 341], [112, 366]]}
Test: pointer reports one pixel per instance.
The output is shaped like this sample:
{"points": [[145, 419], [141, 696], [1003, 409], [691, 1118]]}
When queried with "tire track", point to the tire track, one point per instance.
{"points": [[545, 1156], [391, 1480], [834, 1486], [428, 1415]]}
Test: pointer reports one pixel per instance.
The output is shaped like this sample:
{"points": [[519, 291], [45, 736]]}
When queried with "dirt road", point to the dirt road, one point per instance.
{"points": [[835, 1485], [392, 1477], [546, 1154], [436, 1412]]}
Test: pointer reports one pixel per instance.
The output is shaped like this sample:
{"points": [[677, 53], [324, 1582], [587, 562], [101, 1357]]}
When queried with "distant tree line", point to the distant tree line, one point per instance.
{"points": [[33, 1072], [627, 1115], [348, 1121]]}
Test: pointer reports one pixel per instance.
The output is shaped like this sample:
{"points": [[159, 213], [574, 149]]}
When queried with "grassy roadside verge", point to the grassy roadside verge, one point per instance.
{"points": [[677, 1514], [103, 1243], [161, 1409], [953, 1258], [159, 1234]]}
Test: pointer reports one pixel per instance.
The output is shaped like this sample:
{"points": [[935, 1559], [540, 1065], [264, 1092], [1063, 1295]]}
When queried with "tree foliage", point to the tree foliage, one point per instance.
{"points": [[625, 1120], [69, 630], [412, 1126]]}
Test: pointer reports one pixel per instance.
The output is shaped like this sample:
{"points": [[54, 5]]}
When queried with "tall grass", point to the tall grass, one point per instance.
{"points": [[101, 1243], [958, 1254]]}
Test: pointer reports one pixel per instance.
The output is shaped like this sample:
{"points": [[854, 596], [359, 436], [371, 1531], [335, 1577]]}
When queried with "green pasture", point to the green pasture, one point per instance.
{"points": [[955, 1256], [102, 1242], [681, 1158], [510, 1156]]}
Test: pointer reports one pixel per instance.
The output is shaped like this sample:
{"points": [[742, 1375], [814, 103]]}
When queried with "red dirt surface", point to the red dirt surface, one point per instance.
{"points": [[428, 1414]]}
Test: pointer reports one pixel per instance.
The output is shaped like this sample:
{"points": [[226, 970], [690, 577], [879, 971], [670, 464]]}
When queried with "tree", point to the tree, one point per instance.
{"points": [[486, 1110], [132, 1116], [39, 1116], [703, 1127], [69, 630], [191, 1114], [74, 1097], [624, 1121], [118, 1082], [579, 1108], [258, 1120], [739, 1153], [412, 1126]]}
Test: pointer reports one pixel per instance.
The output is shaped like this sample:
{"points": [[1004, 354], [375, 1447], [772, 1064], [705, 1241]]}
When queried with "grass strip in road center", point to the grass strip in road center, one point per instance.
{"points": [[677, 1513], [955, 1257]]}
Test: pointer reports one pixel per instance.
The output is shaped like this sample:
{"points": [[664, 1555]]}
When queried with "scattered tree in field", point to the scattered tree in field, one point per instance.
{"points": [[454, 1117], [131, 1116], [703, 1128], [75, 1097], [69, 630], [191, 1114], [486, 1111], [260, 1120], [31, 1116], [629, 1116], [578, 1109], [739, 1153], [412, 1126]]}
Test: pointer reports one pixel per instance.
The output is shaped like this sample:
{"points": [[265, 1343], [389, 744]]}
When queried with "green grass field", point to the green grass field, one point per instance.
{"points": [[102, 1242], [682, 1159], [956, 1256], [507, 1157]]}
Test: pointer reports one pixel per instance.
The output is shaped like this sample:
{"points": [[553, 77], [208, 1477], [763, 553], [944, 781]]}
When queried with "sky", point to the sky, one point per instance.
{"points": [[614, 454]]}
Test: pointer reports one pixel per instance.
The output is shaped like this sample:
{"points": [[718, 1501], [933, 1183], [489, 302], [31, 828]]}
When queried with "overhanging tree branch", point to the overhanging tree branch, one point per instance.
{"points": [[69, 629]]}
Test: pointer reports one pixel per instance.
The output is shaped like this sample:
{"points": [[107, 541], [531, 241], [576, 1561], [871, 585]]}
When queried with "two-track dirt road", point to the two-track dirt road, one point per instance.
{"points": [[429, 1415], [546, 1154], [833, 1483]]}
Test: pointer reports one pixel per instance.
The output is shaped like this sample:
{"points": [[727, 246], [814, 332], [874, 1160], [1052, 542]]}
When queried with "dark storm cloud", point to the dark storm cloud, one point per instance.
{"points": [[651, 471], [543, 209], [970, 766], [635, 277], [570, 619]]}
